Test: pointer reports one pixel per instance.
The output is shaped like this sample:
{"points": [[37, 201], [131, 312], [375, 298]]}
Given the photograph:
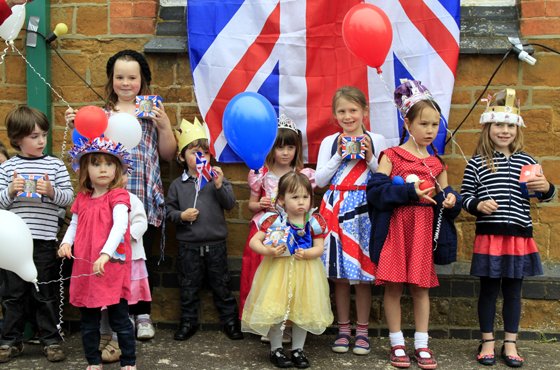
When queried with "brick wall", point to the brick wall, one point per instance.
{"points": [[99, 28]]}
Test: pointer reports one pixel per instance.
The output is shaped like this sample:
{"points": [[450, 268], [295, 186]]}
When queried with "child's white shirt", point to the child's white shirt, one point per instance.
{"points": [[138, 226]]}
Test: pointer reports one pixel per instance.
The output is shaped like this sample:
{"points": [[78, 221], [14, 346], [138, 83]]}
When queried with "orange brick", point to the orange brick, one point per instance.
{"points": [[132, 26], [533, 9], [120, 10], [552, 8], [144, 9], [92, 21], [540, 74], [540, 26]]}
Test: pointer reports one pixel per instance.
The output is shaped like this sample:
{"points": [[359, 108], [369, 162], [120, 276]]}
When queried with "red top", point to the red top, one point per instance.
{"points": [[5, 11]]}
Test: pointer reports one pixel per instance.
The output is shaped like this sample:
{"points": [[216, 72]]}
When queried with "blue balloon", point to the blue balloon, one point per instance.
{"points": [[77, 138], [397, 180], [250, 126]]}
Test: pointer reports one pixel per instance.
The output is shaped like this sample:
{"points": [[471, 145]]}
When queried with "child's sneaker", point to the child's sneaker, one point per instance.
{"points": [[145, 328], [111, 352], [128, 367], [54, 353], [8, 352], [94, 367]]}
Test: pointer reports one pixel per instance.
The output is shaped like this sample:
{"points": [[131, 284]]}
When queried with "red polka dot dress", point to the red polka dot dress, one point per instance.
{"points": [[407, 256]]}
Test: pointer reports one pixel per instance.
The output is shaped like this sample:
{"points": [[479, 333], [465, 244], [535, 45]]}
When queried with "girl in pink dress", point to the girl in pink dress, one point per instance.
{"points": [[100, 234], [405, 254], [285, 156]]}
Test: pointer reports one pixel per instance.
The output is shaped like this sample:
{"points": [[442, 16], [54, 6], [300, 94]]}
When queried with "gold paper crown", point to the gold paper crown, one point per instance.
{"points": [[507, 113], [189, 132]]}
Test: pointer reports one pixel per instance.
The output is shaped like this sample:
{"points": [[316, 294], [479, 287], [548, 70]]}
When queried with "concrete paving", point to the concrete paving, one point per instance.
{"points": [[211, 349]]}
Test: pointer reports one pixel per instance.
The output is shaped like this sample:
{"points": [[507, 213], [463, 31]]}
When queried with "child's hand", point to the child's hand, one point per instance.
{"points": [[265, 203], [189, 214], [449, 201], [69, 116], [487, 206], [65, 250], [17, 185], [44, 187], [367, 146], [277, 251], [218, 177], [538, 183], [424, 193], [300, 254], [99, 264], [161, 118]]}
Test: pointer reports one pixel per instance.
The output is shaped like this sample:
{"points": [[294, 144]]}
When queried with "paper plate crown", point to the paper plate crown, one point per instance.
{"points": [[410, 92], [99, 145], [189, 132], [507, 113], [286, 122]]}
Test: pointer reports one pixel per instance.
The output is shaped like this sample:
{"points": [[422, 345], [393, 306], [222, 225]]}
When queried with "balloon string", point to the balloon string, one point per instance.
{"points": [[66, 128], [5, 51]]}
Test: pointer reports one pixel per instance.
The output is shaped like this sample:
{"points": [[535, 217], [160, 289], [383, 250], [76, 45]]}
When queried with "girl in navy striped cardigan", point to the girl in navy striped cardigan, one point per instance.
{"points": [[504, 250]]}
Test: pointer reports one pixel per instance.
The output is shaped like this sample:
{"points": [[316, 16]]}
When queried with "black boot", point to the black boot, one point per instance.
{"points": [[233, 330], [185, 331]]}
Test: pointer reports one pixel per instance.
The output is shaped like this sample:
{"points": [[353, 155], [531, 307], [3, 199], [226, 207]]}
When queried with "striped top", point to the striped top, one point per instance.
{"points": [[41, 215], [513, 215]]}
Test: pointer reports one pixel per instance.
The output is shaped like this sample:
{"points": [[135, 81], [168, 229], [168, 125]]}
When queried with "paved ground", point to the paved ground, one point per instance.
{"points": [[212, 350]]}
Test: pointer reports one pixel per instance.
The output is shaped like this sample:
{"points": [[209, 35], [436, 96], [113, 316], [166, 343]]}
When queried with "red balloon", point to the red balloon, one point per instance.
{"points": [[91, 121], [368, 34]]}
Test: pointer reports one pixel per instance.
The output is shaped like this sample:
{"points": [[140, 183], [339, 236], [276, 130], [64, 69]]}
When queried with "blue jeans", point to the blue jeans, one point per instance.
{"points": [[120, 323]]}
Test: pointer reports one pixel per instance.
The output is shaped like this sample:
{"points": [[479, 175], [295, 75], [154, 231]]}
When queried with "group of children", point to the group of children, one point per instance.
{"points": [[379, 221]]}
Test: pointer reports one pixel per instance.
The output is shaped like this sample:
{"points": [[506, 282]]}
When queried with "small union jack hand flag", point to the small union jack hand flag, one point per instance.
{"points": [[204, 170]]}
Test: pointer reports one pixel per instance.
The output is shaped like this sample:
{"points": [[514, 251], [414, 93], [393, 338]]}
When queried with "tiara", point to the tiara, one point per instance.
{"points": [[286, 122], [507, 113], [99, 145], [409, 93]]}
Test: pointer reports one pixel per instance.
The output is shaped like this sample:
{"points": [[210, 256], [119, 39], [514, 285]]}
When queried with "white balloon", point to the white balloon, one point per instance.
{"points": [[412, 178], [16, 247], [12, 25], [125, 129]]}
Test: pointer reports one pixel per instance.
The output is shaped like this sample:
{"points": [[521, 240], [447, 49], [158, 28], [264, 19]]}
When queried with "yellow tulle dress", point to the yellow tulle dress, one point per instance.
{"points": [[286, 289]]}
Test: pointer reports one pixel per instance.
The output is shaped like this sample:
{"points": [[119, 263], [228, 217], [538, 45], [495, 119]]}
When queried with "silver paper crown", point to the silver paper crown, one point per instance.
{"points": [[286, 122]]}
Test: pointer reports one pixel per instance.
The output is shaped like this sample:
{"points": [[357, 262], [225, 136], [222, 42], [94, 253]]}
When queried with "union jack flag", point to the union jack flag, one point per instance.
{"points": [[204, 170], [292, 52]]}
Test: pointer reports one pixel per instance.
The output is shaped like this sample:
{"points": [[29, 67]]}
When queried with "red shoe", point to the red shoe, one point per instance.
{"points": [[425, 363], [401, 362]]}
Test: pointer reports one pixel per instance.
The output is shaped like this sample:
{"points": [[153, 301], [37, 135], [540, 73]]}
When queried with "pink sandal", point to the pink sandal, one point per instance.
{"points": [[401, 362], [425, 363]]}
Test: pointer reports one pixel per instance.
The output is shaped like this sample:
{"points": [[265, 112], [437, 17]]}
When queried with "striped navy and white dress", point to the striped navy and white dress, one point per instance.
{"points": [[504, 245], [40, 215]]}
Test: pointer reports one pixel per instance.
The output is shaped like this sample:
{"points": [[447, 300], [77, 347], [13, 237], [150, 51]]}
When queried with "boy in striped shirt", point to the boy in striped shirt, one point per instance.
{"points": [[27, 131]]}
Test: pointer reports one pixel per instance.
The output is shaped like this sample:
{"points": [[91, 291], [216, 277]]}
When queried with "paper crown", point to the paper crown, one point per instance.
{"points": [[189, 132], [507, 113], [99, 145], [286, 122], [410, 92]]}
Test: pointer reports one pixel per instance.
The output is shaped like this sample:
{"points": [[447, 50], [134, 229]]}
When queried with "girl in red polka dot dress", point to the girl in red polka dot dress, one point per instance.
{"points": [[406, 180]]}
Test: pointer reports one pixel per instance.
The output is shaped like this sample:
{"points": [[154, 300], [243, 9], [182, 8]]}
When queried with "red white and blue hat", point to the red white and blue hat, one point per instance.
{"points": [[100, 145]]}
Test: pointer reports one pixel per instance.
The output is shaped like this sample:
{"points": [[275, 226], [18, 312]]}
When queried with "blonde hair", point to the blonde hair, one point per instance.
{"points": [[285, 137], [485, 147], [84, 182]]}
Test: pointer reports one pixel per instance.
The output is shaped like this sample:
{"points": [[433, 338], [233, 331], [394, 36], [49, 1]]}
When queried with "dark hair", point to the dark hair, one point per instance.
{"points": [[21, 122], [292, 182], [285, 137], [84, 182], [145, 74], [201, 143]]}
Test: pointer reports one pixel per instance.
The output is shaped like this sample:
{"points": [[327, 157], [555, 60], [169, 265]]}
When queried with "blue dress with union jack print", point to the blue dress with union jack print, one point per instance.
{"points": [[345, 210]]}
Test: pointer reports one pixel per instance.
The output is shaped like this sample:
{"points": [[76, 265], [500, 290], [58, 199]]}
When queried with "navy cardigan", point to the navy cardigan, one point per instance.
{"points": [[383, 196]]}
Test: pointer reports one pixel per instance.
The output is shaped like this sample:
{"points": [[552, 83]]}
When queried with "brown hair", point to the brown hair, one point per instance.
{"points": [[145, 75], [352, 94], [21, 122], [485, 146], [201, 143], [84, 182], [285, 137], [292, 182]]}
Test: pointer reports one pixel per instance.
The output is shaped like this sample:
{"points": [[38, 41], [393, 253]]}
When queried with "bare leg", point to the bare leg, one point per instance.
{"points": [[392, 304], [421, 300]]}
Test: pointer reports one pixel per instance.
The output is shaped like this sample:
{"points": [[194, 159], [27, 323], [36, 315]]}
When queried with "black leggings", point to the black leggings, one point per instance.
{"points": [[511, 310]]}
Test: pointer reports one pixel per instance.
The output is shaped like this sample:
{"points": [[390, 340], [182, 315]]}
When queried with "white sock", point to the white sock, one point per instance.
{"points": [[143, 316], [298, 337], [397, 339], [275, 336], [421, 341]]}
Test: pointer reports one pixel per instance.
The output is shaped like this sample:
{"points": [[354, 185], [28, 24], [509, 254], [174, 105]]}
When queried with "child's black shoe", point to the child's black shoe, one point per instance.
{"points": [[279, 359], [299, 359], [185, 331], [233, 330]]}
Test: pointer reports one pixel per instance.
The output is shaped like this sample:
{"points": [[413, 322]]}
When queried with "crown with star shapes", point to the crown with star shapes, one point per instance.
{"points": [[189, 132]]}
